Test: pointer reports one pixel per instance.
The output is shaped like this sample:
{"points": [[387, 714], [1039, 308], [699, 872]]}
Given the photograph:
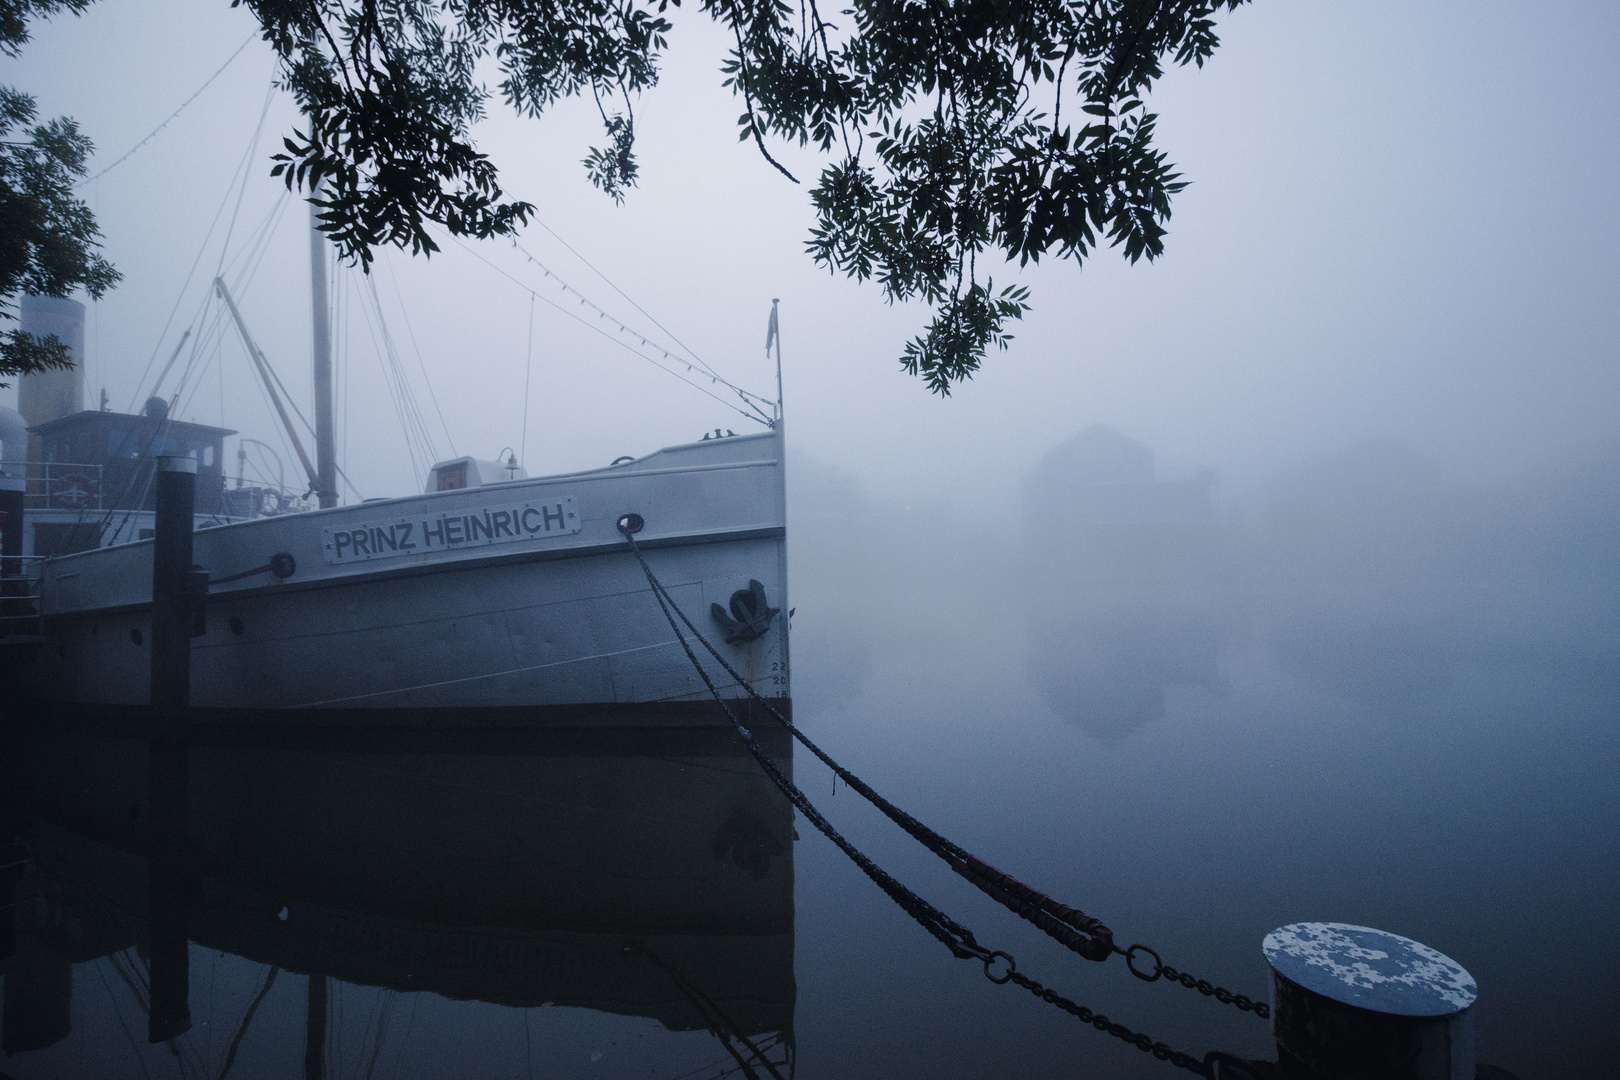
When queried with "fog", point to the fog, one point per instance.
{"points": [[1285, 566], [1391, 233]]}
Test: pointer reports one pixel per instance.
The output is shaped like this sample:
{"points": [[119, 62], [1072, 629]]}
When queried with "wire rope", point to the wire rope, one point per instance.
{"points": [[202, 249], [405, 313], [413, 409], [747, 398], [528, 364], [154, 132], [598, 330], [393, 396]]}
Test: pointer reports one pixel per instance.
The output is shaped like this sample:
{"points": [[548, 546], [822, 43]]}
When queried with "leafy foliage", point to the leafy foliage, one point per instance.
{"points": [[14, 16], [956, 127], [48, 237]]}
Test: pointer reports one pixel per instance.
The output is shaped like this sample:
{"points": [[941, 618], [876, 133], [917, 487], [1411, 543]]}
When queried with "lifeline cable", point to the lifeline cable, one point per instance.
{"points": [[952, 934], [1071, 927]]}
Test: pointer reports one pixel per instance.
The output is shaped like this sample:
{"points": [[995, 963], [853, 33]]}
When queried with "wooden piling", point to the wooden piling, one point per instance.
{"points": [[12, 489], [171, 601], [169, 892]]}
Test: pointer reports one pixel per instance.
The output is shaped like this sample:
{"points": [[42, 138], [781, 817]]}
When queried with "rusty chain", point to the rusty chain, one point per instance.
{"points": [[1203, 986]]}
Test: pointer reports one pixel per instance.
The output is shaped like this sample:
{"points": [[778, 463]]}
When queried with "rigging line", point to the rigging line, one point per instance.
{"points": [[410, 1023], [247, 1018], [407, 395], [410, 331], [384, 1012], [164, 374], [258, 245], [203, 348], [294, 403], [407, 392], [407, 432], [601, 313], [284, 393], [711, 1013], [748, 398], [230, 230], [128, 153], [597, 329], [202, 378], [689, 351], [241, 190], [394, 400], [339, 470], [528, 1046], [113, 998], [202, 249], [144, 452], [277, 378], [528, 362], [393, 397], [269, 408]]}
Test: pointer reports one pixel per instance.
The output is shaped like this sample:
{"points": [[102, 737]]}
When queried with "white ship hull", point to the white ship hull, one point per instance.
{"points": [[514, 596]]}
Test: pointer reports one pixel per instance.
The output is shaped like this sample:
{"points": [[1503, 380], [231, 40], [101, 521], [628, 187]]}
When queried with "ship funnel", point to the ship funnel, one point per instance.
{"points": [[51, 395]]}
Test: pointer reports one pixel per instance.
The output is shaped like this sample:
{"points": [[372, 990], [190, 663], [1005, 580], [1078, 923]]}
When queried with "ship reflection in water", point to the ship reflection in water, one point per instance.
{"points": [[253, 904]]}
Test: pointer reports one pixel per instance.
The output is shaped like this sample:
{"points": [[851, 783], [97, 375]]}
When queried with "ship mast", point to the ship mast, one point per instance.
{"points": [[325, 453]]}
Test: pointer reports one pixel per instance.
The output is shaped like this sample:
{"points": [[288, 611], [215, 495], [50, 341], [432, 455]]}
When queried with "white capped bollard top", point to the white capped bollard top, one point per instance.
{"points": [[1370, 969]]}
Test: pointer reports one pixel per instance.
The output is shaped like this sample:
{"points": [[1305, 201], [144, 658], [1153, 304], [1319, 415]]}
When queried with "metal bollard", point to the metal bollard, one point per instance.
{"points": [[1354, 1003]]}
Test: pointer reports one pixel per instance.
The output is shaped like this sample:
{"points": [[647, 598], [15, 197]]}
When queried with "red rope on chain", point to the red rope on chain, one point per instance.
{"points": [[1072, 927]]}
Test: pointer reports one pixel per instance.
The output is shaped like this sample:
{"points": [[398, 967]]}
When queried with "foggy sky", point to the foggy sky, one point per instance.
{"points": [[1400, 225]]}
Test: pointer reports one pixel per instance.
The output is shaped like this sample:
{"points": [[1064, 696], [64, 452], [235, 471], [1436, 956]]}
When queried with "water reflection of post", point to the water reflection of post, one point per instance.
{"points": [[38, 998], [315, 1030], [168, 891]]}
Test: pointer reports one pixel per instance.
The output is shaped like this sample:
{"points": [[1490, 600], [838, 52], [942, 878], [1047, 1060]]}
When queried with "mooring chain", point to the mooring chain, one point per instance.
{"points": [[956, 937], [1191, 982], [1084, 934], [1145, 1043]]}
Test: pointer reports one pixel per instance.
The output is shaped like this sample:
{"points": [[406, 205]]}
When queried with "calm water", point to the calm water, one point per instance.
{"points": [[1432, 753]]}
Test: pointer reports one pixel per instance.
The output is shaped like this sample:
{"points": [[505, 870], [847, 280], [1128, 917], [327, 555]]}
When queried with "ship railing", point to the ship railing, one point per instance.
{"points": [[58, 485], [20, 580]]}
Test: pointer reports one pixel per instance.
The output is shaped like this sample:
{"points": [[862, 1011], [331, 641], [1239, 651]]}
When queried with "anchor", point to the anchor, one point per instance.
{"points": [[750, 616]]}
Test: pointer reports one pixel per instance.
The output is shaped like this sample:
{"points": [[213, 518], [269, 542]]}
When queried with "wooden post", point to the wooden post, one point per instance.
{"points": [[172, 619], [38, 1008], [12, 585], [1354, 1003], [171, 601]]}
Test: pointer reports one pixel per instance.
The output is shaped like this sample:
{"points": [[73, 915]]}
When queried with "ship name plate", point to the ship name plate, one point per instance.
{"points": [[480, 527]]}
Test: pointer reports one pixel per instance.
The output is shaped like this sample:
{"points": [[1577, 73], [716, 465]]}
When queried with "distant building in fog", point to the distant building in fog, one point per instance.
{"points": [[1097, 497], [1124, 592]]}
